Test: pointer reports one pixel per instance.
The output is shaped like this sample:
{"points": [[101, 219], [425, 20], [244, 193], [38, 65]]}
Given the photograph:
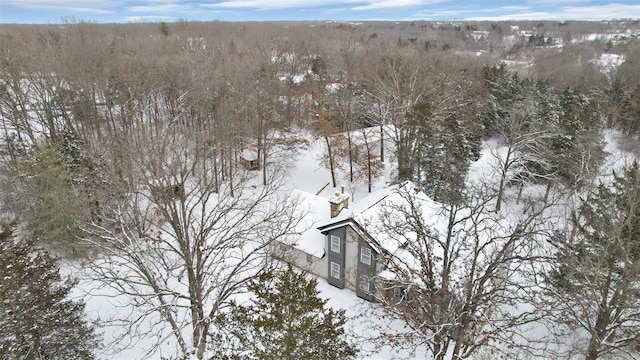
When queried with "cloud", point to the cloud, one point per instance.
{"points": [[29, 11], [517, 16], [67, 5], [272, 4], [356, 5], [613, 11], [395, 4], [584, 13], [515, 8], [505, 13], [160, 8], [557, 2]]}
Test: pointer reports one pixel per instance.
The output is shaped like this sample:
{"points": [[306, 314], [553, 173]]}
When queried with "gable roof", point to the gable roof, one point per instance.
{"points": [[369, 218], [316, 210], [359, 214], [249, 155]]}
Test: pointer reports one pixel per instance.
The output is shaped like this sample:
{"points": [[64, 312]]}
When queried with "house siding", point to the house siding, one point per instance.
{"points": [[336, 258], [351, 260], [353, 273], [365, 273]]}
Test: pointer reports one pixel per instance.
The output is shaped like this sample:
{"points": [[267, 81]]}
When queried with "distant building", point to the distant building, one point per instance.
{"points": [[249, 159]]}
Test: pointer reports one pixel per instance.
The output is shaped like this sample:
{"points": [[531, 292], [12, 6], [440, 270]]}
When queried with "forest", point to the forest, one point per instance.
{"points": [[149, 165]]}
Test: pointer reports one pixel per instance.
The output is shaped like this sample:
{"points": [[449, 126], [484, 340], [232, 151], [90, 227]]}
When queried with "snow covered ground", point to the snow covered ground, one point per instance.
{"points": [[608, 63], [307, 174]]}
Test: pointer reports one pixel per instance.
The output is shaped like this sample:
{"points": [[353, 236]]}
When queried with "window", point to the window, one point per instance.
{"points": [[309, 258], [365, 255], [366, 287], [335, 244], [283, 247], [335, 270]]}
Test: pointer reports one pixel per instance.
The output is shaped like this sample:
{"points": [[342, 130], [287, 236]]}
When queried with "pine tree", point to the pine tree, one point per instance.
{"points": [[577, 148], [598, 268], [288, 321], [442, 151], [56, 204], [38, 320], [628, 119], [556, 136]]}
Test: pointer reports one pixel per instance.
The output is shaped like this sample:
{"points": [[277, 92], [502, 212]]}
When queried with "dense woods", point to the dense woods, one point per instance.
{"points": [[122, 150]]}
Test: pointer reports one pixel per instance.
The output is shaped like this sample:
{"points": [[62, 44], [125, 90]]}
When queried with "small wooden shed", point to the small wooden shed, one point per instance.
{"points": [[249, 159]]}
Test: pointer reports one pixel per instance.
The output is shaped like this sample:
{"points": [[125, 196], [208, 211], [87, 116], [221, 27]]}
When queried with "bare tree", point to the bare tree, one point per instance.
{"points": [[403, 81], [522, 155], [180, 246], [325, 119], [395, 85], [462, 277], [368, 164]]}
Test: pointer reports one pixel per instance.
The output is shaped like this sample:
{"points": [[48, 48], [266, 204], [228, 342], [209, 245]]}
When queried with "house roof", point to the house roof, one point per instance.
{"points": [[364, 218], [318, 220], [369, 218], [480, 227], [316, 210], [249, 155]]}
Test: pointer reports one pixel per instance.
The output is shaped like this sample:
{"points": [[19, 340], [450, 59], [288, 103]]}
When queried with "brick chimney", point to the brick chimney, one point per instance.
{"points": [[339, 201]]}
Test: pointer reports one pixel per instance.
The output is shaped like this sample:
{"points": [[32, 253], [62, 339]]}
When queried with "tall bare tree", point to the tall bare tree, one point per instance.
{"points": [[326, 129], [395, 85], [462, 277], [368, 164], [178, 245]]}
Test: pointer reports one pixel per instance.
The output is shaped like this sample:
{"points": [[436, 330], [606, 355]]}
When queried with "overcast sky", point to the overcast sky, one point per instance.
{"points": [[122, 11]]}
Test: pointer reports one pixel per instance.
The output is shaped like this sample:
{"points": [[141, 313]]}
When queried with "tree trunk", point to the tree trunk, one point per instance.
{"points": [[503, 176], [366, 144], [331, 164], [593, 351], [51, 125], [381, 142], [264, 167], [446, 265], [350, 145]]}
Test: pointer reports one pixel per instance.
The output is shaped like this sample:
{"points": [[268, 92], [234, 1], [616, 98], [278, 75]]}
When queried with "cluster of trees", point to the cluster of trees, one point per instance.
{"points": [[476, 270], [120, 148], [469, 278]]}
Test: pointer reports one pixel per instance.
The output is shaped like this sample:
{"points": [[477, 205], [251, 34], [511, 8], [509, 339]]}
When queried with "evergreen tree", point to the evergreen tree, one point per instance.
{"points": [[628, 119], [503, 89], [444, 148], [556, 136], [578, 147], [56, 203], [38, 320], [597, 272], [288, 321]]}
